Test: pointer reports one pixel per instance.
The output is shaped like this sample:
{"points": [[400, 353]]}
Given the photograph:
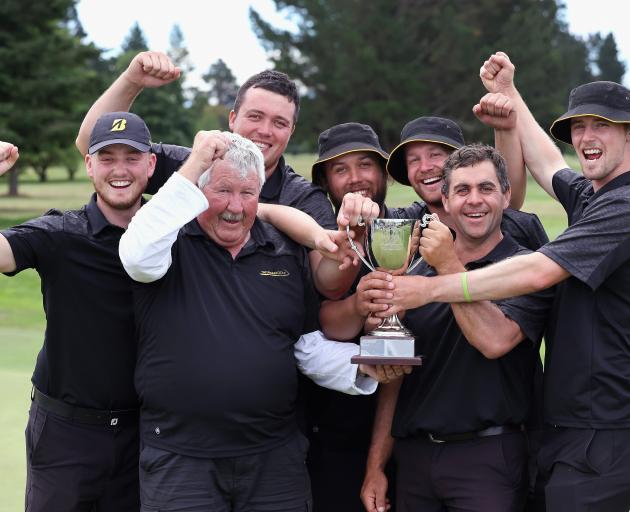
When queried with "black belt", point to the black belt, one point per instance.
{"points": [[467, 436], [117, 418]]}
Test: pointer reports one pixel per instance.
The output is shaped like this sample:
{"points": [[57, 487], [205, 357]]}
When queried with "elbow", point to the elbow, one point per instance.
{"points": [[493, 350]]}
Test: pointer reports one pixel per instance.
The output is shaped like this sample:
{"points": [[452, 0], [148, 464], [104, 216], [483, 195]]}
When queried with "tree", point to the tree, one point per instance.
{"points": [[221, 83], [606, 58], [407, 58], [135, 41], [46, 80]]}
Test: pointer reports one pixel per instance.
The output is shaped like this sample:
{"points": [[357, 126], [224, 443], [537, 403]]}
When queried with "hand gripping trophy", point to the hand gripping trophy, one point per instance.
{"points": [[391, 245]]}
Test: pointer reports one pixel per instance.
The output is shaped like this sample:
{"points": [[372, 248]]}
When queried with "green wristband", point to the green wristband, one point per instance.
{"points": [[465, 286]]}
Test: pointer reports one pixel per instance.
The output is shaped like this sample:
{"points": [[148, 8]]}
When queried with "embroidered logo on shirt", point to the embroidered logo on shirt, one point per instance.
{"points": [[274, 273]]}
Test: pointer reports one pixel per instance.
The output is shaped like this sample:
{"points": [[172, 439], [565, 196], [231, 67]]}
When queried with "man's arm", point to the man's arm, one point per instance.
{"points": [[8, 156], [515, 276], [542, 156], [145, 248], [147, 69], [374, 489], [500, 115]]}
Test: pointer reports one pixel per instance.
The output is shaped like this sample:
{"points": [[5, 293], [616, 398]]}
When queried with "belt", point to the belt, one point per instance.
{"points": [[467, 436], [117, 418]]}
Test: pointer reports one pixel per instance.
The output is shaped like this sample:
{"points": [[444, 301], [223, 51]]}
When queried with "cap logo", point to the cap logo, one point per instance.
{"points": [[119, 125]]}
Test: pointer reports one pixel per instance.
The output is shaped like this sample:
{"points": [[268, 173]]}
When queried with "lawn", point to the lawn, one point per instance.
{"points": [[22, 321]]}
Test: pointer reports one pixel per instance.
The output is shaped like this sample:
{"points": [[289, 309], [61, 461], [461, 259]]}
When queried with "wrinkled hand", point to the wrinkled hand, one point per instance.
{"points": [[151, 69], [385, 373], [335, 246], [437, 248], [354, 207], [8, 156], [375, 285], [496, 111], [497, 73], [374, 492]]}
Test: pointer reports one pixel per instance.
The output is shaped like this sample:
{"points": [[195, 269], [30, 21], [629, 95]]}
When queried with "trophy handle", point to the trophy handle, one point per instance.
{"points": [[424, 222], [356, 249]]}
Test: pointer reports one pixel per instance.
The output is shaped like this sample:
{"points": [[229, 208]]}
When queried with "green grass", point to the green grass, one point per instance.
{"points": [[22, 320]]}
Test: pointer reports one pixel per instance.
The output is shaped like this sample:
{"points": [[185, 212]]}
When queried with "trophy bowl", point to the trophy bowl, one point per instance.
{"points": [[391, 245]]}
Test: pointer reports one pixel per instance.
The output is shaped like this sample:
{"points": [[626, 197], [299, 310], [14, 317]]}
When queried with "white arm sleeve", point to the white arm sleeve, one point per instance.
{"points": [[145, 248], [327, 363]]}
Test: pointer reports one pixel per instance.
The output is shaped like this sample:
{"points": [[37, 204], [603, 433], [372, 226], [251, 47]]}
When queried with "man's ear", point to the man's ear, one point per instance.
{"points": [[88, 165]]}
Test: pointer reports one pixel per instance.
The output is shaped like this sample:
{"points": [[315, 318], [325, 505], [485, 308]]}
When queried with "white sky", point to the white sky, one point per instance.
{"points": [[216, 29]]}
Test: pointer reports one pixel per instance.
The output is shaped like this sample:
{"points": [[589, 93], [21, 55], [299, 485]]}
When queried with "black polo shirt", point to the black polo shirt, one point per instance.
{"points": [[89, 353], [216, 373], [458, 389], [284, 186], [587, 365], [524, 227]]}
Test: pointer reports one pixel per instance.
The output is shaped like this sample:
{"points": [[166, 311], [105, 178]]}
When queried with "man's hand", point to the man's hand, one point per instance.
{"points": [[437, 249], [497, 74], [375, 285], [355, 207], [496, 110], [385, 373], [334, 245], [408, 292], [8, 156], [207, 147], [151, 69], [374, 492]]}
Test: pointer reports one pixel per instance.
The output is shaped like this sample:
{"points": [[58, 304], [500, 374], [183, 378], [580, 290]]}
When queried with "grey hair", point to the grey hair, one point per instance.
{"points": [[244, 156]]}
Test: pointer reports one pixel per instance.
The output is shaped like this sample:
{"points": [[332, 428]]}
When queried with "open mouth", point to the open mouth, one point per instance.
{"points": [[120, 183], [475, 215], [592, 154], [431, 181], [263, 146]]}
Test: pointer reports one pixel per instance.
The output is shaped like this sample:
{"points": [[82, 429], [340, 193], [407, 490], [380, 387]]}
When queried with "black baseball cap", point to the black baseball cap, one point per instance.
{"points": [[438, 130], [120, 128], [342, 139], [607, 100]]}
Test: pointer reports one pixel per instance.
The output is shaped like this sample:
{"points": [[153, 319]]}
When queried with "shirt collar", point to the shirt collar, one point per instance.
{"points": [[273, 184], [95, 216], [620, 181]]}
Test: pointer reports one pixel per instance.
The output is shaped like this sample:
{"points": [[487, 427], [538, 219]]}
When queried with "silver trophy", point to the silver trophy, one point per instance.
{"points": [[391, 245]]}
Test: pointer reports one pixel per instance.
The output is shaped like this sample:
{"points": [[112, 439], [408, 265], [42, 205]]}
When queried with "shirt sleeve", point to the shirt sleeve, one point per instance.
{"points": [[327, 363], [597, 243], [145, 248]]}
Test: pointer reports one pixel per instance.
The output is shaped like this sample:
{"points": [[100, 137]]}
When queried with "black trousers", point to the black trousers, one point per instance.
{"points": [[585, 470], [487, 474], [75, 467], [272, 481]]}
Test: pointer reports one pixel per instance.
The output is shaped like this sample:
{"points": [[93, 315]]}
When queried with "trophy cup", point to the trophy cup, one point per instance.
{"points": [[391, 246]]}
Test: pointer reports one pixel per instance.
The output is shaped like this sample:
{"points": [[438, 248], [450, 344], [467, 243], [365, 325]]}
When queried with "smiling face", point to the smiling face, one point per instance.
{"points": [[360, 172], [265, 118], [602, 147], [233, 202], [475, 203], [425, 161], [120, 174]]}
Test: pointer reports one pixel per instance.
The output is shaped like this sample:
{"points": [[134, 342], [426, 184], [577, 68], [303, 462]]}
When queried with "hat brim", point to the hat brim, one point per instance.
{"points": [[317, 174], [143, 148], [561, 127], [397, 164]]}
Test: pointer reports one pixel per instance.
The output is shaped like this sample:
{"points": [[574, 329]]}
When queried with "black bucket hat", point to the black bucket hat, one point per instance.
{"points": [[342, 139], [423, 129], [607, 100]]}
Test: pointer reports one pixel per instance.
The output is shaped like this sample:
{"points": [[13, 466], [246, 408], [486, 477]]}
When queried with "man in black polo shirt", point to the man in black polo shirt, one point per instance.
{"points": [[265, 111], [585, 457], [226, 297], [82, 433]]}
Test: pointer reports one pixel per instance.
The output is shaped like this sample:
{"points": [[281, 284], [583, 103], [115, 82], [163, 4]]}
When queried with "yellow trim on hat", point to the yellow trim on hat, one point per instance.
{"points": [[371, 150], [416, 140], [562, 119]]}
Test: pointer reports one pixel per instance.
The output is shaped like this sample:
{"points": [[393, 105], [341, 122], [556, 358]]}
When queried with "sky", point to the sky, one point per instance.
{"points": [[215, 29]]}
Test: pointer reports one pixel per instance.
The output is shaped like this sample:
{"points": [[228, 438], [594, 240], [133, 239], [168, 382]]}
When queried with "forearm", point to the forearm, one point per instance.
{"points": [[508, 144], [294, 223], [382, 442], [145, 248], [331, 282], [117, 98], [340, 319], [541, 155]]}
